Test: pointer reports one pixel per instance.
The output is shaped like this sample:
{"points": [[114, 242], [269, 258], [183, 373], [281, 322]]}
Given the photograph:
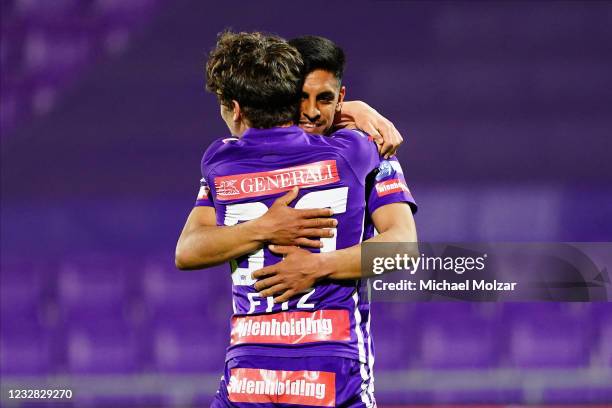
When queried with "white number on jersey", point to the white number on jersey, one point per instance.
{"points": [[335, 198]]}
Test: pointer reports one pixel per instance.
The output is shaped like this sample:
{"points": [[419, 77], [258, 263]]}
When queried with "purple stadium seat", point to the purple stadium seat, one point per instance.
{"points": [[59, 51], [117, 8], [452, 397], [168, 293], [447, 397], [9, 111], [102, 346], [425, 311], [24, 349], [578, 396], [204, 399], [11, 42], [600, 311], [549, 340], [394, 334], [516, 311], [55, 40], [116, 14], [605, 341], [94, 287], [41, 9], [398, 397], [188, 344], [22, 292], [459, 342], [171, 292]]}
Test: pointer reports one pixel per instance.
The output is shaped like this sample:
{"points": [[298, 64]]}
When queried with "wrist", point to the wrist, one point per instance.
{"points": [[325, 265], [257, 230]]}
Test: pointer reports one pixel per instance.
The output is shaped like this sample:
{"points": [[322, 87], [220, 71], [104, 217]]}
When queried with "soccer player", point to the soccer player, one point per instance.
{"points": [[323, 107], [387, 205], [257, 81], [322, 101]]}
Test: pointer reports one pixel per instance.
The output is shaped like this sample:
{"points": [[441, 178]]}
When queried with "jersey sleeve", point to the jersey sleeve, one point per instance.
{"points": [[359, 149], [205, 193], [386, 184], [204, 198]]}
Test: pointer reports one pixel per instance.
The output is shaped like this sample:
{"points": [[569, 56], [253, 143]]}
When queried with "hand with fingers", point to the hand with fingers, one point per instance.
{"points": [[382, 130], [297, 272], [284, 225]]}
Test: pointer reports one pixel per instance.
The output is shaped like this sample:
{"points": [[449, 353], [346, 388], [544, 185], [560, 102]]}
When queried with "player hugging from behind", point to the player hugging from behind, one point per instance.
{"points": [[289, 209]]}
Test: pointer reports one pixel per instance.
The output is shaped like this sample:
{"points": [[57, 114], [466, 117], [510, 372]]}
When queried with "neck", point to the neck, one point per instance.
{"points": [[239, 130]]}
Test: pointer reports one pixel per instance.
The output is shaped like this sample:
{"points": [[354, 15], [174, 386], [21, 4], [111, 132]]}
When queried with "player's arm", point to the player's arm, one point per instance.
{"points": [[394, 222], [358, 114], [301, 269], [203, 243]]}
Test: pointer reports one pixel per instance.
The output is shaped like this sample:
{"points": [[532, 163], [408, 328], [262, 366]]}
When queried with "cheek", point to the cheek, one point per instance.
{"points": [[328, 112]]}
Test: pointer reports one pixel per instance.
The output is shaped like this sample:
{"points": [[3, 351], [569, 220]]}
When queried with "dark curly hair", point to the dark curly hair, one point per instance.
{"points": [[262, 72], [320, 53]]}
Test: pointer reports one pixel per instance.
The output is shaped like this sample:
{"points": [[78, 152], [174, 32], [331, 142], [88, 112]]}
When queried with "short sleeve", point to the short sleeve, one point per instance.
{"points": [[386, 184], [204, 197], [205, 193]]}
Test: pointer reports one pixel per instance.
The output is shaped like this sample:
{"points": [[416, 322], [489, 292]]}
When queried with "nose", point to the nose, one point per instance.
{"points": [[310, 111]]}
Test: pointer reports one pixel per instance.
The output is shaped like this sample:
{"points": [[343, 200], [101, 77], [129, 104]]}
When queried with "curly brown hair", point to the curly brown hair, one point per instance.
{"points": [[262, 72]]}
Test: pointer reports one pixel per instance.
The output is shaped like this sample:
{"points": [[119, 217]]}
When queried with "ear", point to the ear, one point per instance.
{"points": [[236, 113], [341, 96]]}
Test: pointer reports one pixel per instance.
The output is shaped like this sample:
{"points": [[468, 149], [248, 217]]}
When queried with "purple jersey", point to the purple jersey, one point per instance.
{"points": [[242, 178]]}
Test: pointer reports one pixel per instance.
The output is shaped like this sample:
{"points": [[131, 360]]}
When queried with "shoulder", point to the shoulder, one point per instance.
{"points": [[354, 140], [215, 150], [351, 134], [357, 150]]}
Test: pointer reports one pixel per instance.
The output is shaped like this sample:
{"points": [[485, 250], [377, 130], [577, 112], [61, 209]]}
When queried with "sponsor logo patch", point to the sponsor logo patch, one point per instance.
{"points": [[271, 182], [390, 186], [292, 327], [305, 388], [204, 190], [384, 170]]}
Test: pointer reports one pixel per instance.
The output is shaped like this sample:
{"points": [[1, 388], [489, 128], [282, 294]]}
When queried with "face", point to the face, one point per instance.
{"points": [[322, 97]]}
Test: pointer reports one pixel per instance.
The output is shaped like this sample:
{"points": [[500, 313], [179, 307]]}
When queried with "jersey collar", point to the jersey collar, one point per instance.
{"points": [[275, 133]]}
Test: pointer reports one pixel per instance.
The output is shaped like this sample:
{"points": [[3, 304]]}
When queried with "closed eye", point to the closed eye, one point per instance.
{"points": [[326, 97]]}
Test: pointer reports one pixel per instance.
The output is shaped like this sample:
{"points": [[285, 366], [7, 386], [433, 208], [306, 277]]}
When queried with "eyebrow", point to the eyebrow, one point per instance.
{"points": [[326, 95], [322, 95]]}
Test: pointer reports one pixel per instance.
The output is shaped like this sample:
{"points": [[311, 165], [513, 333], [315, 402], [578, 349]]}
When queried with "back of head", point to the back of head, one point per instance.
{"points": [[263, 73], [320, 53]]}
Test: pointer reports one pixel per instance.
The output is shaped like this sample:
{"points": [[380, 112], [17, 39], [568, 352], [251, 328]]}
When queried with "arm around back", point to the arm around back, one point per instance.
{"points": [[203, 243]]}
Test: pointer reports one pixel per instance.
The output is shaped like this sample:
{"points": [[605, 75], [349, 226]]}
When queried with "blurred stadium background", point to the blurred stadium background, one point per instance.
{"points": [[505, 108]]}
